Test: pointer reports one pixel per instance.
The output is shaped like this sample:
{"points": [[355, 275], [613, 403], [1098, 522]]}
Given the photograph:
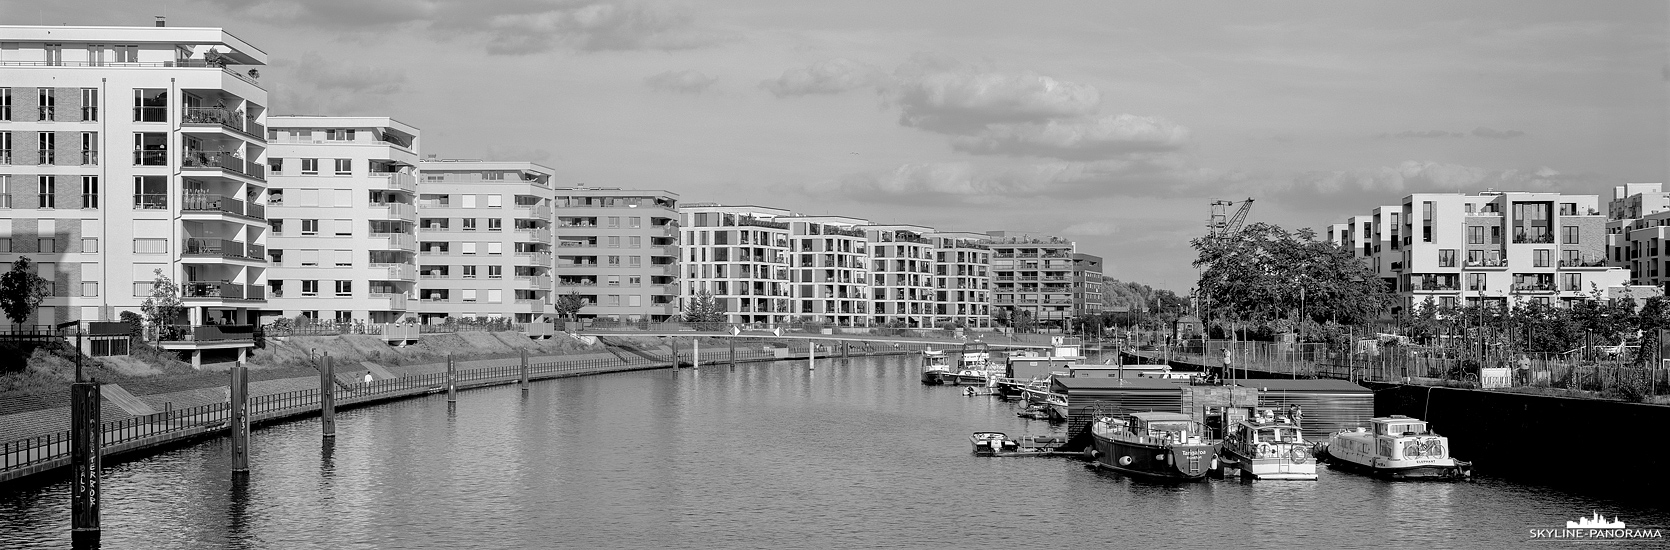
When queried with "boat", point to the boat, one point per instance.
{"points": [[1268, 446], [973, 367], [934, 367], [1396, 447], [1035, 411], [1056, 404], [1156, 445], [1000, 444]]}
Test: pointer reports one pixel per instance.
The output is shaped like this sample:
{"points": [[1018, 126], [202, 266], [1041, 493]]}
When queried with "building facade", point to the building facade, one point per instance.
{"points": [[720, 245], [484, 240], [829, 269], [188, 201], [618, 250], [1638, 233], [1033, 274], [962, 280], [342, 205], [1087, 285]]}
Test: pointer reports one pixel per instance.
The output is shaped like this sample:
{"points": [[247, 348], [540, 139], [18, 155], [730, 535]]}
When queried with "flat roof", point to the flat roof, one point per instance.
{"points": [[442, 165], [848, 220], [311, 121], [1113, 383], [1311, 385], [242, 52], [612, 191]]}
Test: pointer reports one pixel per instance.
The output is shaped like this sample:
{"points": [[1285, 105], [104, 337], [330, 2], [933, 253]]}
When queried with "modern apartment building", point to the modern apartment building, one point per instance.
{"points": [[962, 279], [1638, 233], [618, 249], [1496, 248], [1033, 274], [484, 240], [1087, 284], [829, 269], [189, 200], [740, 255], [901, 275], [342, 205]]}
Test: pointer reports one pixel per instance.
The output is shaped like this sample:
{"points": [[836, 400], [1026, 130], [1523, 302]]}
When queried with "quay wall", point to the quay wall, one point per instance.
{"points": [[1557, 440]]}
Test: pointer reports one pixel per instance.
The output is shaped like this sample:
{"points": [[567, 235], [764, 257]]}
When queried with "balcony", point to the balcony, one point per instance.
{"points": [[1547, 238], [575, 244], [399, 241], [396, 211], [222, 291], [1533, 287], [537, 212], [1485, 264], [236, 121], [397, 301], [398, 272], [199, 201], [195, 336], [224, 161], [1582, 264], [534, 305], [1419, 286], [397, 181], [151, 157], [536, 258], [223, 248], [537, 234], [672, 252], [537, 282]]}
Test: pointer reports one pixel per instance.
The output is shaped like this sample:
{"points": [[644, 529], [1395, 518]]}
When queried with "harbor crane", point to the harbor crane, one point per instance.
{"points": [[1222, 223]]}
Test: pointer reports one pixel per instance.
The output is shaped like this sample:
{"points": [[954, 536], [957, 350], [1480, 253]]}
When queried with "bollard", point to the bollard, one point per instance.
{"points": [[84, 459], [327, 399], [451, 381], [812, 356], [524, 371], [733, 352], [674, 342], [695, 353], [845, 349], [240, 420]]}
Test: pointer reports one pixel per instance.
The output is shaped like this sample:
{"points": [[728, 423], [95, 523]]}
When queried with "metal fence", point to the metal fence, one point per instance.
{"points": [[991, 337], [51, 447]]}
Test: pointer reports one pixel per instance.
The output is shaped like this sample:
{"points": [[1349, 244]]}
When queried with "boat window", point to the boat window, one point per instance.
{"points": [[1379, 429], [1168, 426]]}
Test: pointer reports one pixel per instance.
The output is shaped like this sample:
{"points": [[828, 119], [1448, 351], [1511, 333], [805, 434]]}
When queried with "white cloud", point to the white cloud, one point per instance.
{"points": [[928, 182], [946, 96], [1102, 137], [316, 85], [824, 77], [684, 82]]}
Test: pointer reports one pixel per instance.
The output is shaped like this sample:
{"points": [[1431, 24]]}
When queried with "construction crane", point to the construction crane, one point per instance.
{"points": [[1222, 223]]}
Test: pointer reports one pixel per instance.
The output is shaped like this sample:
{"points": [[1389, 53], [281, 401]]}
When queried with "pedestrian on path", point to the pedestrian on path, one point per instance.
{"points": [[368, 377]]}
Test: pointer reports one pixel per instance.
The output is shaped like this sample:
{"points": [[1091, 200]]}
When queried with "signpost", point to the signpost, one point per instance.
{"points": [[85, 441]]}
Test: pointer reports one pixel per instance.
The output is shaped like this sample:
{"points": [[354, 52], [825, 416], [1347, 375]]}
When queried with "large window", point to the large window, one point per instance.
{"points": [[339, 135], [1475, 234], [126, 53], [47, 147], [1542, 257], [48, 104], [1568, 234], [89, 191], [47, 191], [89, 148], [1571, 282], [150, 104], [1446, 257], [90, 102], [1475, 281], [150, 192], [150, 149]]}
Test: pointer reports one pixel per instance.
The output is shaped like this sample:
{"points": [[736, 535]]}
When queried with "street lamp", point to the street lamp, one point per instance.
{"points": [[78, 332]]}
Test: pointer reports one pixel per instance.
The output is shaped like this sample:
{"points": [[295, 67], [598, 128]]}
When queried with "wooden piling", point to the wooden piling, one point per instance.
{"points": [[812, 355], [732, 342], [451, 381], [240, 420], [846, 350], [524, 370], [695, 353], [674, 344], [327, 398], [85, 439]]}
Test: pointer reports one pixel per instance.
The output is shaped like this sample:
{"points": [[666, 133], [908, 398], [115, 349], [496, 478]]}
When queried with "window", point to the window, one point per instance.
{"points": [[89, 244], [126, 53], [495, 248], [469, 272], [89, 288], [467, 201], [5, 147], [1542, 257], [344, 258], [89, 148], [495, 272], [634, 300], [150, 105], [469, 294], [5, 191], [1447, 302], [1571, 258], [47, 191], [46, 245], [150, 246], [635, 242], [344, 228], [1475, 234], [614, 241], [1495, 234], [89, 191], [344, 167], [339, 135], [1446, 257], [275, 166], [310, 288], [633, 221], [495, 296], [1568, 234], [469, 224], [150, 192], [48, 104], [310, 167], [1571, 282], [492, 176], [308, 258], [634, 261], [344, 288], [344, 316], [150, 149], [614, 261], [1475, 281], [48, 147], [495, 201], [495, 224], [614, 221], [5, 104], [90, 102], [5, 244], [310, 227], [469, 248]]}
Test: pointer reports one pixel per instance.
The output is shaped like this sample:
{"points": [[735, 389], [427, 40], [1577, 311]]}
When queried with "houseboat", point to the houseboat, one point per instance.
{"points": [[1156, 445], [934, 367], [1396, 447], [1000, 444], [1268, 446]]}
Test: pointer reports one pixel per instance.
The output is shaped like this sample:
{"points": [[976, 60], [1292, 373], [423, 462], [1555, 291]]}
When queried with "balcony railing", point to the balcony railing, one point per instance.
{"points": [[232, 120], [194, 334], [223, 160], [1579, 263], [398, 181], [399, 241], [199, 201], [1486, 263], [397, 210], [1534, 239], [150, 157], [221, 290], [1430, 287], [224, 248], [1533, 287]]}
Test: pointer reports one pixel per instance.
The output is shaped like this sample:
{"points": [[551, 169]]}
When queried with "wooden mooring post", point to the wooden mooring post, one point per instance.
{"points": [[846, 349], [451, 381], [84, 461], [673, 342], [240, 420], [811, 355], [327, 399], [695, 353], [524, 371], [732, 342]]}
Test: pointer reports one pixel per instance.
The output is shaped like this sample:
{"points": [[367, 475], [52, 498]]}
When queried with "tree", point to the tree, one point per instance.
{"points": [[703, 308], [163, 308], [1264, 273], [22, 291], [569, 305], [1023, 321]]}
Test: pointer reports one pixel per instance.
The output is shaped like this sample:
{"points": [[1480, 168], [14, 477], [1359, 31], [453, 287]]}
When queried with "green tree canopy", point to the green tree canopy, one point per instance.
{"points": [[22, 291], [703, 308], [569, 305], [163, 307], [1264, 274]]}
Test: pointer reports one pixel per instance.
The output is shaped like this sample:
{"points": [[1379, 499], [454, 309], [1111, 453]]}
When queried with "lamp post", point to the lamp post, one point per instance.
{"points": [[85, 435]]}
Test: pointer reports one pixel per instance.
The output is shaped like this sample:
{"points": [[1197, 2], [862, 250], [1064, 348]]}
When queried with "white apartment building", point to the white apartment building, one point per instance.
{"points": [[484, 240], [1497, 248], [962, 279], [901, 275], [341, 203], [740, 255], [1638, 233], [618, 249], [188, 200], [830, 269], [1033, 274]]}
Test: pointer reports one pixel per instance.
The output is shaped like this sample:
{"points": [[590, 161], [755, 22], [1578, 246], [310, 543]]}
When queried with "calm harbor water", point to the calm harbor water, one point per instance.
{"points": [[854, 455]]}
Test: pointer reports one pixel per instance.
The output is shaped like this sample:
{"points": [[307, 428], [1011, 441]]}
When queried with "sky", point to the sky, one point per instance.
{"points": [[1114, 124]]}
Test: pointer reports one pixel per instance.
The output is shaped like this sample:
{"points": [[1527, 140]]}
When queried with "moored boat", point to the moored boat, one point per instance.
{"points": [[1268, 446], [934, 367], [1396, 447], [1157, 445], [992, 443], [1000, 444]]}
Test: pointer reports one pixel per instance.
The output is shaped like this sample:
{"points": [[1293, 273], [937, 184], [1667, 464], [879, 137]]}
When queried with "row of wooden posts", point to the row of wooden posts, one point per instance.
{"points": [[86, 435]]}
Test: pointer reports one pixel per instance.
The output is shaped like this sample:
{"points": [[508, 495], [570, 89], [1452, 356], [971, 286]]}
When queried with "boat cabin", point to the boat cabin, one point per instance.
{"points": [[1253, 433], [1162, 425], [932, 359], [1399, 426]]}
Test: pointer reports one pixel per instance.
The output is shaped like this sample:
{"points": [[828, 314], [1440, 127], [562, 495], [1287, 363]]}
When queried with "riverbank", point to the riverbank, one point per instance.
{"points": [[276, 400]]}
